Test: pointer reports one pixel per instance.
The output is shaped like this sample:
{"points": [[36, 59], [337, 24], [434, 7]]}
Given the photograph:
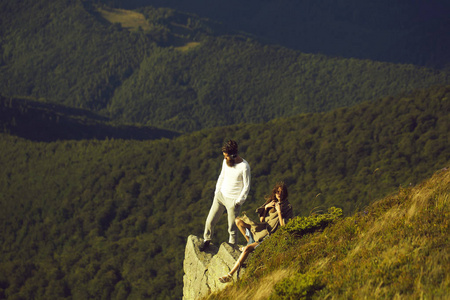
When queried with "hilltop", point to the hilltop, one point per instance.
{"points": [[395, 247]]}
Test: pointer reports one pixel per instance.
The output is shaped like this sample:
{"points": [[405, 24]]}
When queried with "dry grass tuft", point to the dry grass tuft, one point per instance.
{"points": [[188, 46], [257, 291]]}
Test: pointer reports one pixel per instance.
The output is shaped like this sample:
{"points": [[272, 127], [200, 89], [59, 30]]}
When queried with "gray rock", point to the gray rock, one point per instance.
{"points": [[203, 269]]}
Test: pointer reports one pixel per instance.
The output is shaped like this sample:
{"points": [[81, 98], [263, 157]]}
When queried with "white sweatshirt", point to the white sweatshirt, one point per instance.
{"points": [[234, 182]]}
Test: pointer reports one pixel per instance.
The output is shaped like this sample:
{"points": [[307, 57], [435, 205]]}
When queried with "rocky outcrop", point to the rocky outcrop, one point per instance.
{"points": [[202, 269]]}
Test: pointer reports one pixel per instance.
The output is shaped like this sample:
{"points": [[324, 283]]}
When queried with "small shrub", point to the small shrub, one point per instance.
{"points": [[303, 225], [299, 286]]}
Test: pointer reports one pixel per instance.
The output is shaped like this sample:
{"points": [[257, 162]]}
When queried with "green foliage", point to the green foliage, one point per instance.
{"points": [[299, 286], [302, 225]]}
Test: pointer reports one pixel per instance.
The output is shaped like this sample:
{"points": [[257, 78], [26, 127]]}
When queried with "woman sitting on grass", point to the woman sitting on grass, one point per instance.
{"points": [[274, 213]]}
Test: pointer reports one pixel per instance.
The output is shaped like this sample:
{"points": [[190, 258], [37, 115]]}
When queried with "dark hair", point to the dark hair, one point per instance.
{"points": [[284, 192], [230, 147]]}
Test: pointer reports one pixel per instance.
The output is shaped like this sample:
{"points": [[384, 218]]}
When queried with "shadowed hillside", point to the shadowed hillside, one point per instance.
{"points": [[44, 122]]}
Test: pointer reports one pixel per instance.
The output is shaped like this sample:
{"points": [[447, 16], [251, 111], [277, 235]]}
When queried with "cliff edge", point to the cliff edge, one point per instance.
{"points": [[202, 269]]}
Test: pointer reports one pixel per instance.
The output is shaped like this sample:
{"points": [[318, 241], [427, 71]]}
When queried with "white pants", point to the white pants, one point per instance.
{"points": [[220, 203]]}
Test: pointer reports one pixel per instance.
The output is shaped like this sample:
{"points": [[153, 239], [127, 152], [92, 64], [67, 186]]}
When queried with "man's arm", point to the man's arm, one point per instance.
{"points": [[220, 179], [246, 177]]}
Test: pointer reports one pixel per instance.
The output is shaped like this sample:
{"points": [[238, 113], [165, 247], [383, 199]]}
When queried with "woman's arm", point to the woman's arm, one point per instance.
{"points": [[278, 208], [267, 207], [262, 217]]}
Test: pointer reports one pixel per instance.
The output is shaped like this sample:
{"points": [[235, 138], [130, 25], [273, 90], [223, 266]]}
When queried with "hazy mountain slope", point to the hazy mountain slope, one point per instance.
{"points": [[176, 73], [416, 32], [397, 247], [91, 219]]}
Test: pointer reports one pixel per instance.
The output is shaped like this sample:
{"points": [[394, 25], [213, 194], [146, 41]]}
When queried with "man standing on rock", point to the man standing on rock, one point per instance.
{"points": [[231, 192]]}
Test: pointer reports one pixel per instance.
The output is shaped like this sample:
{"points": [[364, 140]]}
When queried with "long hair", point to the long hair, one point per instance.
{"points": [[284, 192]]}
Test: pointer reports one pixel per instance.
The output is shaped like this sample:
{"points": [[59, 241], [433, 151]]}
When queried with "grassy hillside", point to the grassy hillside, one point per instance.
{"points": [[178, 71], [397, 247], [109, 219]]}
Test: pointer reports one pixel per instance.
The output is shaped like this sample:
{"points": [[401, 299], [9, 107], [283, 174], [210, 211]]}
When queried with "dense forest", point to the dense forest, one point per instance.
{"points": [[69, 53], [109, 218]]}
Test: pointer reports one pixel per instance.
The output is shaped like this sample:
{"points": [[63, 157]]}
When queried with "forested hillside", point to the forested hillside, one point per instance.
{"points": [[179, 71], [109, 219]]}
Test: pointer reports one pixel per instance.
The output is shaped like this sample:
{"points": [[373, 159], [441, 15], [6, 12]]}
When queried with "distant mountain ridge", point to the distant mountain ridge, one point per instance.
{"points": [[69, 54], [414, 32]]}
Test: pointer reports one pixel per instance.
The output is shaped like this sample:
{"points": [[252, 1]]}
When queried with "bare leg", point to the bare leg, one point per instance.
{"points": [[247, 250], [242, 225]]}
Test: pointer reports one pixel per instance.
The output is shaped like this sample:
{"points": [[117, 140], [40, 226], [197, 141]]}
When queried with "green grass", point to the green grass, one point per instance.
{"points": [[398, 247]]}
